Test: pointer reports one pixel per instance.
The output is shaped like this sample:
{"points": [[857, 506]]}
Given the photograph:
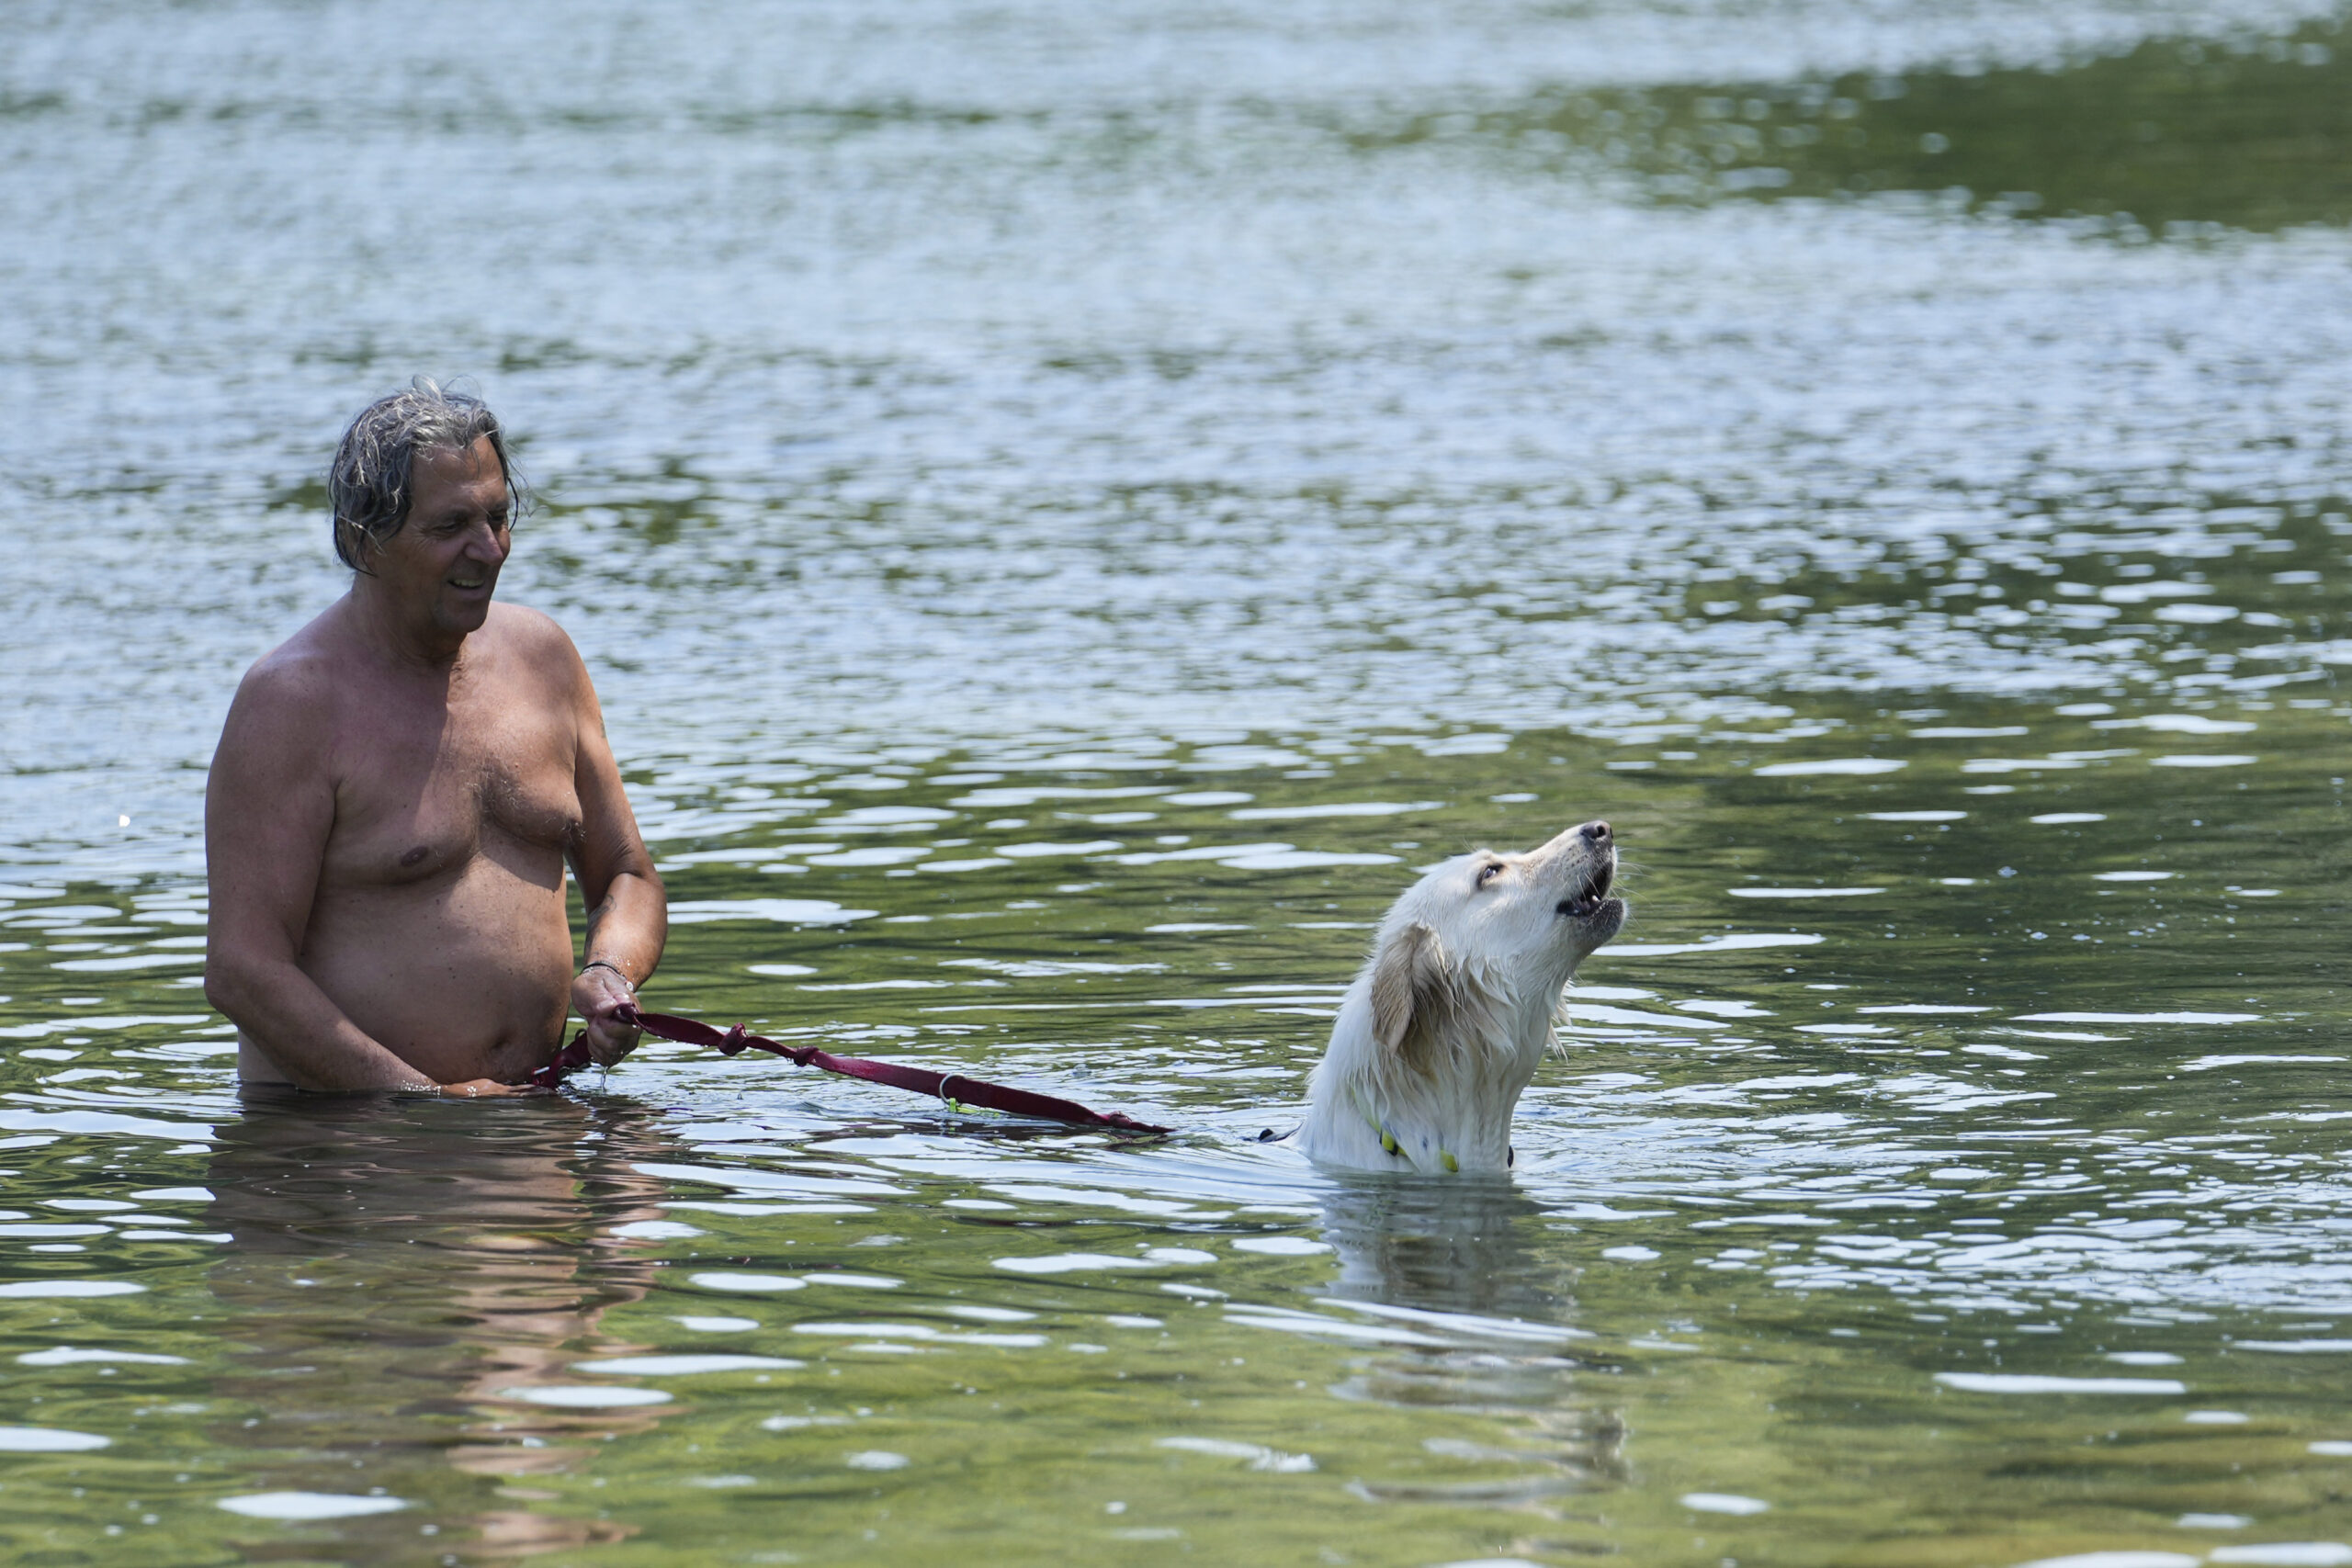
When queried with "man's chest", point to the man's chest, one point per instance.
{"points": [[417, 799]]}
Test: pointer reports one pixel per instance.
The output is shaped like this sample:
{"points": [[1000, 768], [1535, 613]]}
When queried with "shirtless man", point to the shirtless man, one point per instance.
{"points": [[397, 789]]}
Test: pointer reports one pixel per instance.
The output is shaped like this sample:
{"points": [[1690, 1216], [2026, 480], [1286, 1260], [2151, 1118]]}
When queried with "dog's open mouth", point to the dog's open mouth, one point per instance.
{"points": [[1585, 901]]}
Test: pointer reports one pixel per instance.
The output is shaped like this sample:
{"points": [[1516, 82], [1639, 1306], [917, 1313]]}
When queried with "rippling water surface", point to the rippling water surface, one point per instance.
{"points": [[1068, 506]]}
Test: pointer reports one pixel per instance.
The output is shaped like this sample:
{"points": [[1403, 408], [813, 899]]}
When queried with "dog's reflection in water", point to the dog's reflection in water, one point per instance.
{"points": [[401, 1269], [1460, 1246], [1467, 1247]]}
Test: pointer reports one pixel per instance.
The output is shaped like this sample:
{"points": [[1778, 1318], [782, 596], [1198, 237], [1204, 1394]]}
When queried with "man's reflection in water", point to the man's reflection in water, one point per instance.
{"points": [[400, 1267]]}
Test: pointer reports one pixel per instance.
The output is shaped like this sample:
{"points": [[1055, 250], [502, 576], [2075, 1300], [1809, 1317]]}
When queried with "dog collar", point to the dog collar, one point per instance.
{"points": [[1388, 1142]]}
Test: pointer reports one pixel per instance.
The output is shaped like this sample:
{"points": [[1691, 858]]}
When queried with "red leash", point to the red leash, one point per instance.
{"points": [[921, 1081]]}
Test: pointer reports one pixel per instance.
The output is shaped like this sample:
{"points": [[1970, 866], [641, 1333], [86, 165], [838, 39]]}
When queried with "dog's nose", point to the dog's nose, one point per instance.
{"points": [[1597, 831]]}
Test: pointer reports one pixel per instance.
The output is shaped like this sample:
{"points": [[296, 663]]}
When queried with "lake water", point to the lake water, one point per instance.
{"points": [[1067, 506]]}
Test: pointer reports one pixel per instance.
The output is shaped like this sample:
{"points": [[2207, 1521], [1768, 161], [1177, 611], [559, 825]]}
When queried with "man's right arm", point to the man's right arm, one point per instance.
{"points": [[268, 808]]}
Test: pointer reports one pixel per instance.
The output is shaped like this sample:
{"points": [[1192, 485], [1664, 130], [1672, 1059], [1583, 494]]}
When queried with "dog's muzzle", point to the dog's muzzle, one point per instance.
{"points": [[1586, 902]]}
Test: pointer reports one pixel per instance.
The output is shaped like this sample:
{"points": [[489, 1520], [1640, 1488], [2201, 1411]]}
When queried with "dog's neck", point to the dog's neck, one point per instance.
{"points": [[1453, 1112]]}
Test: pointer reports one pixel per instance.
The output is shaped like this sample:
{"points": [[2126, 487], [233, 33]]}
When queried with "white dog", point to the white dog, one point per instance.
{"points": [[1454, 1010]]}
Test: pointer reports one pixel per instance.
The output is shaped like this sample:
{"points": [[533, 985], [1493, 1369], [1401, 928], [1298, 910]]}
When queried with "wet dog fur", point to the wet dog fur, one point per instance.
{"points": [[1451, 1015]]}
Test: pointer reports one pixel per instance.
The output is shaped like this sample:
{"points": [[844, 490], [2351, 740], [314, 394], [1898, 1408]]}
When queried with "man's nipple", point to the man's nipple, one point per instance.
{"points": [[416, 855]]}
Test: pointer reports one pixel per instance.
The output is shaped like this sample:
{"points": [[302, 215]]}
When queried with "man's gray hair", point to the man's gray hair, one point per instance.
{"points": [[370, 485]]}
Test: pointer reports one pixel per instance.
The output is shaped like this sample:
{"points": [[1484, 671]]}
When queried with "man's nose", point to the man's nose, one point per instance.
{"points": [[1597, 833], [489, 541]]}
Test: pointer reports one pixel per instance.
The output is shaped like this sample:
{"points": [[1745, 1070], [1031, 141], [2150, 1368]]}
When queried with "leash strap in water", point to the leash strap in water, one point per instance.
{"points": [[952, 1087]]}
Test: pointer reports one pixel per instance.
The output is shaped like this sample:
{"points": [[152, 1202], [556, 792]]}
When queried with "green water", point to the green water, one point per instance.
{"points": [[1771, 1193], [1069, 508], [2186, 135]]}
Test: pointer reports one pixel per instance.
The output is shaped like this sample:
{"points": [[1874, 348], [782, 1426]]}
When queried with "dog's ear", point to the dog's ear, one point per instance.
{"points": [[1413, 990]]}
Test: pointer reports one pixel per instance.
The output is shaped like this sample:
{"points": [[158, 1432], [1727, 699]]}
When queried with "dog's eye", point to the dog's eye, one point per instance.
{"points": [[1488, 871]]}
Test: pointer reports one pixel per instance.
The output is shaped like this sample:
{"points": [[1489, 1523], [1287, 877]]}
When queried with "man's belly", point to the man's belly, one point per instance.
{"points": [[464, 976]]}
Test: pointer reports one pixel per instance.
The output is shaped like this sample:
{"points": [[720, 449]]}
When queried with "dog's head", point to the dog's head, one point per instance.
{"points": [[1489, 932]]}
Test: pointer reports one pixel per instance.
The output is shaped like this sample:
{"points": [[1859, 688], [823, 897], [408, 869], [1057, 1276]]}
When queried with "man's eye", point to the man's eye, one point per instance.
{"points": [[1489, 873]]}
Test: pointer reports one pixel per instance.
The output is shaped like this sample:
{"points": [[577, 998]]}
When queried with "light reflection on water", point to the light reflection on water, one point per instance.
{"points": [[1890, 1180], [1062, 534]]}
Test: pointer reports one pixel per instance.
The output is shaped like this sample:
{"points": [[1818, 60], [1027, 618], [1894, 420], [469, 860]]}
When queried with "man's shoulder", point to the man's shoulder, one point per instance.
{"points": [[534, 639], [291, 701], [520, 626], [303, 672]]}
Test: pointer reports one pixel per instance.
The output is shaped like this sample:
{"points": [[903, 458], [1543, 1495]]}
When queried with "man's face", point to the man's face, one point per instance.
{"points": [[443, 565]]}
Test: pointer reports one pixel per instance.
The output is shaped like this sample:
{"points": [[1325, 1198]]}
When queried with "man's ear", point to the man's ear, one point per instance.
{"points": [[1413, 992]]}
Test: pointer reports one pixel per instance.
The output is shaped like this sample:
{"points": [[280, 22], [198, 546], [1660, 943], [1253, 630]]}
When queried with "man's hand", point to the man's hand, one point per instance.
{"points": [[485, 1089], [595, 992]]}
